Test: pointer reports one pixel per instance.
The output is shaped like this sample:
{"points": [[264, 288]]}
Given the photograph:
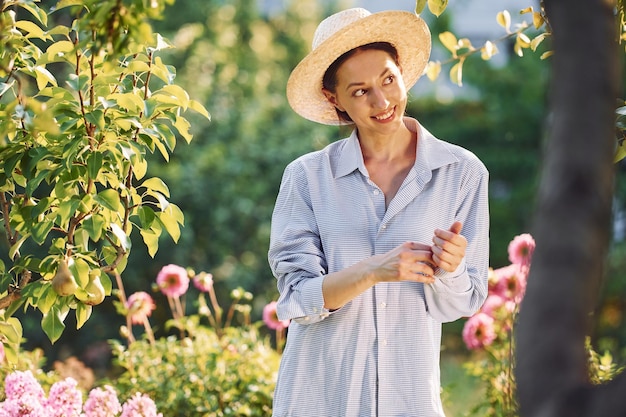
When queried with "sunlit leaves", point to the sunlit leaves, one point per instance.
{"points": [[504, 19], [419, 6], [433, 69], [437, 7], [74, 149]]}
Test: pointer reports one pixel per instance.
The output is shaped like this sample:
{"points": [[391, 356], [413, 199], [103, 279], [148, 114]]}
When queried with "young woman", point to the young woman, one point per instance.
{"points": [[376, 239]]}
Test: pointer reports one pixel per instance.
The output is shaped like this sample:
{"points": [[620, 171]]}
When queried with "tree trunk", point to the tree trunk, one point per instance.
{"points": [[572, 220]]}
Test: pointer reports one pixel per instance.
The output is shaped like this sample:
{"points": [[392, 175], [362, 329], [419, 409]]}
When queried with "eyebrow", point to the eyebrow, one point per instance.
{"points": [[357, 84]]}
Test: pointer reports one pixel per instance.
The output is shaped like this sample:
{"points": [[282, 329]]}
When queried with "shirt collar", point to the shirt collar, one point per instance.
{"points": [[431, 152]]}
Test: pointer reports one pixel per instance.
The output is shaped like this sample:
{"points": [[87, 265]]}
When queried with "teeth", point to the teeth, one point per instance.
{"points": [[385, 116]]}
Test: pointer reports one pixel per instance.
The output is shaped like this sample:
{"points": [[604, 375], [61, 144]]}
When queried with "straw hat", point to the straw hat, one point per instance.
{"points": [[344, 31]]}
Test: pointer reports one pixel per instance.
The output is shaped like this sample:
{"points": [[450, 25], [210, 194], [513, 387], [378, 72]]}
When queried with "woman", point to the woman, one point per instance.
{"points": [[376, 239]]}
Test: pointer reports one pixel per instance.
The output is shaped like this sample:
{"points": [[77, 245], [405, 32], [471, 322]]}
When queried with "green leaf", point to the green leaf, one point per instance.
{"points": [[620, 152], [12, 330], [80, 271], [94, 225], [52, 323], [83, 312], [47, 299], [15, 248], [110, 199], [31, 30], [151, 240], [4, 87], [40, 231], [449, 41], [156, 184], [66, 210], [504, 19], [129, 101], [437, 7], [37, 12], [94, 163], [146, 217], [96, 118], [199, 108], [182, 125], [456, 73], [123, 238], [170, 218], [419, 6], [43, 77]]}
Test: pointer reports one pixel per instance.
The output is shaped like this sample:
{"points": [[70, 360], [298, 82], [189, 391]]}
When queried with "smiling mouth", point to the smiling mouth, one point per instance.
{"points": [[386, 115]]}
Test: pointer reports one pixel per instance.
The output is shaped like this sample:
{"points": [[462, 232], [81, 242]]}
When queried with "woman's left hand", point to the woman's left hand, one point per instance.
{"points": [[449, 247]]}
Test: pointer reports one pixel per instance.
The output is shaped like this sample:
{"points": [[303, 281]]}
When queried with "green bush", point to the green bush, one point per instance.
{"points": [[203, 375]]}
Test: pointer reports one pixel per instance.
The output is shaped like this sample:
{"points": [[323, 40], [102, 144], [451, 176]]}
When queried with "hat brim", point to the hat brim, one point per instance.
{"points": [[406, 31]]}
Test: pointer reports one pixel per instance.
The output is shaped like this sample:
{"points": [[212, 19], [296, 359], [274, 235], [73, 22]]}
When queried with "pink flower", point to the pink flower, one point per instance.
{"points": [[102, 403], [18, 384], [140, 405], [511, 282], [2, 353], [521, 249], [173, 280], [64, 399], [203, 281], [139, 306], [271, 318], [479, 331], [28, 405], [492, 304]]}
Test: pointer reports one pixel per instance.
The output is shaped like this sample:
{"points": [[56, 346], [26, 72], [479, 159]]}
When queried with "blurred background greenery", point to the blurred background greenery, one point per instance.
{"points": [[235, 58]]}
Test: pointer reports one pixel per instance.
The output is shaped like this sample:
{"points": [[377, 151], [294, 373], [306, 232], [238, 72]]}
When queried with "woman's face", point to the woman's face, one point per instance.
{"points": [[371, 90]]}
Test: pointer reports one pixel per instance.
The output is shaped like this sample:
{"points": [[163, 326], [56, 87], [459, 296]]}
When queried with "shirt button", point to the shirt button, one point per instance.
{"points": [[384, 226], [384, 342], [376, 192], [383, 304]]}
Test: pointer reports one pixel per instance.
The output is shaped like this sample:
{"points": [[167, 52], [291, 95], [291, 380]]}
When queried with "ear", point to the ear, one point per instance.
{"points": [[332, 98]]}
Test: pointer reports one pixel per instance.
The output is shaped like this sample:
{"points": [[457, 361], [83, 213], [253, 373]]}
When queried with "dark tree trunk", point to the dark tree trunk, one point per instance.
{"points": [[572, 220]]}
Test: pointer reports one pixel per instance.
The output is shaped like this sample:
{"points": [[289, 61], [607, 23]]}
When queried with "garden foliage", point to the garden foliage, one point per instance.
{"points": [[84, 98]]}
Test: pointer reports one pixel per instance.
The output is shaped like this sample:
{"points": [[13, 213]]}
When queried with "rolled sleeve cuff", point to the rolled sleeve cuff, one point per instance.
{"points": [[312, 302], [457, 281]]}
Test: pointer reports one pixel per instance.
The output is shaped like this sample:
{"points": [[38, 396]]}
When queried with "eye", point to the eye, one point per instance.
{"points": [[389, 79], [358, 93]]}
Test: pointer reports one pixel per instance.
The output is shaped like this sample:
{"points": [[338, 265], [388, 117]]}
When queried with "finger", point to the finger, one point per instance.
{"points": [[456, 227], [418, 246]]}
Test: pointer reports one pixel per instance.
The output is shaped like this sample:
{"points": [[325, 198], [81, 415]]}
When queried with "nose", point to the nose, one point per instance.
{"points": [[379, 99]]}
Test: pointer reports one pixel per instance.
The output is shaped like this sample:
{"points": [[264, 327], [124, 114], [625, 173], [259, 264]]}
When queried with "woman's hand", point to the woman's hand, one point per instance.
{"points": [[410, 261], [448, 247]]}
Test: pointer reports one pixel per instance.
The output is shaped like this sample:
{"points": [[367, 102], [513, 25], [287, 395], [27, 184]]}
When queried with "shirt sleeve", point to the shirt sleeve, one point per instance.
{"points": [[461, 293], [295, 254]]}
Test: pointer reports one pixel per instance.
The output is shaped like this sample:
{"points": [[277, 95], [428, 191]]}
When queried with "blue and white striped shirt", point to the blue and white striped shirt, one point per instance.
{"points": [[378, 355]]}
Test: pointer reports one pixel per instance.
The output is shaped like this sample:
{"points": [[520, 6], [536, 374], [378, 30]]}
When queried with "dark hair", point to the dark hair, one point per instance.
{"points": [[329, 81]]}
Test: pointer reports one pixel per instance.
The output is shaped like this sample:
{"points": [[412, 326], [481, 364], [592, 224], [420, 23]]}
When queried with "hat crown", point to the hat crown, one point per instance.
{"points": [[333, 24]]}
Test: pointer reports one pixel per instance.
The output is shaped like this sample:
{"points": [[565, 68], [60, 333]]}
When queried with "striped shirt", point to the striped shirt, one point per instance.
{"points": [[378, 355]]}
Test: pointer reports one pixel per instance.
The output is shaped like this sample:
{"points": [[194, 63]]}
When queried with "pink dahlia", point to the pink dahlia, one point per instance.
{"points": [[173, 280], [140, 306], [511, 282], [102, 402], [203, 281], [270, 318], [521, 249], [478, 331]]}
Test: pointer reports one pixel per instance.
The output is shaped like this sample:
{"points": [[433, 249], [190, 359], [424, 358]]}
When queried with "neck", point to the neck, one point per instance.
{"points": [[399, 145]]}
